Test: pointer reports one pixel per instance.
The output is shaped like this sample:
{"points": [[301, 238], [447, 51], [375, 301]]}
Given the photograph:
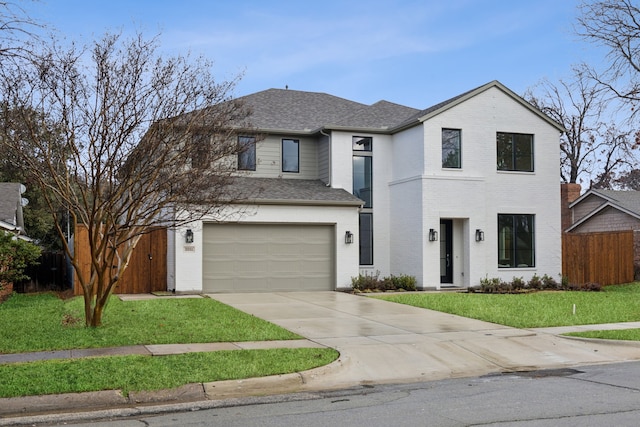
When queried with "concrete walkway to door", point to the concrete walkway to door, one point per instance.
{"points": [[384, 342]]}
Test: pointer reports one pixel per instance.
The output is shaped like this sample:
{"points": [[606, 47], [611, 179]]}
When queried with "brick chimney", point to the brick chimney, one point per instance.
{"points": [[568, 193]]}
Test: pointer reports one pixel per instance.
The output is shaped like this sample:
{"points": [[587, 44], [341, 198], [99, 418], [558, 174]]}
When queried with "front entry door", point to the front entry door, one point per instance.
{"points": [[446, 251]]}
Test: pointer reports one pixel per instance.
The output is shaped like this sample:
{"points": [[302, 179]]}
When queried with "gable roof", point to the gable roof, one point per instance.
{"points": [[624, 201], [434, 110], [293, 111]]}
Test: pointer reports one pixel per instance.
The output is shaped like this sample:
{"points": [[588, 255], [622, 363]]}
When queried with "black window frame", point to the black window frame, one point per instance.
{"points": [[297, 156], [520, 250], [247, 153], [447, 150], [509, 146]]}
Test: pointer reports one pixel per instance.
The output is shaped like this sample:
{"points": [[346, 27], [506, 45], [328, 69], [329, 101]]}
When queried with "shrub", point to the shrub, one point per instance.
{"points": [[404, 281], [15, 256], [366, 282], [518, 284], [496, 286], [535, 282], [549, 283]]}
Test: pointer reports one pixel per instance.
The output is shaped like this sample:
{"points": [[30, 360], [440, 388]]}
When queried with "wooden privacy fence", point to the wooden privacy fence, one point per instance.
{"points": [[604, 258], [147, 270]]}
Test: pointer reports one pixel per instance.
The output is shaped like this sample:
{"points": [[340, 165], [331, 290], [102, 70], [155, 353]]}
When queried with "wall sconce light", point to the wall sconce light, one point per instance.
{"points": [[348, 237], [479, 235], [433, 235], [188, 236]]}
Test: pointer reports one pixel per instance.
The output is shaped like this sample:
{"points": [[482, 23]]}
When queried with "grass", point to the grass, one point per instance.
{"points": [[625, 334], [619, 303], [136, 373], [45, 322]]}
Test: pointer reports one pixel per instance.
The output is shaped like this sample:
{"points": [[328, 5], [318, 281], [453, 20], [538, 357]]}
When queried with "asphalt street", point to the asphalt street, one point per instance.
{"points": [[602, 395]]}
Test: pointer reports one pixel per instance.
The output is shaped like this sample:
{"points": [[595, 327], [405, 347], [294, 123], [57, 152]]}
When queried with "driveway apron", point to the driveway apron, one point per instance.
{"points": [[384, 342]]}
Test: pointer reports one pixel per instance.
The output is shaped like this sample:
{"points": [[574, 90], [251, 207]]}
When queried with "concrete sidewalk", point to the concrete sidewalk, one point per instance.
{"points": [[379, 342]]}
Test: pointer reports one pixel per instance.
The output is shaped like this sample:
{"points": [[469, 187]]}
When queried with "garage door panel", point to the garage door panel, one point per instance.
{"points": [[268, 257]]}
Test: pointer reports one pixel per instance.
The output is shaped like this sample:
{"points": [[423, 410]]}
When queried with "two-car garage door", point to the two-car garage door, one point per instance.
{"points": [[268, 257]]}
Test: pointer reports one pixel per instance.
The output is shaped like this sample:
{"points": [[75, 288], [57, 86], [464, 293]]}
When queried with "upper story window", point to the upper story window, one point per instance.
{"points": [[247, 153], [361, 143], [201, 155], [290, 155], [363, 179], [451, 148], [515, 152], [516, 241]]}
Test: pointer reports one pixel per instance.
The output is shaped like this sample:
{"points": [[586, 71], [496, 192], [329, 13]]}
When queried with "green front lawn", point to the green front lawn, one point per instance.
{"points": [[44, 322], [619, 303], [136, 373]]}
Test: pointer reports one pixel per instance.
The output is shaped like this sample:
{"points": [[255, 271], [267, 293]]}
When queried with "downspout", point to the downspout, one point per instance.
{"points": [[330, 163]]}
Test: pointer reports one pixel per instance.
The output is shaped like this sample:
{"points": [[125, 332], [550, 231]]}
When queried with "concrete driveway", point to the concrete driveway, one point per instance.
{"points": [[384, 342]]}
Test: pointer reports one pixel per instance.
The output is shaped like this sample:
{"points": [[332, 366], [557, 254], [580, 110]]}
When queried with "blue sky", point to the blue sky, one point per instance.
{"points": [[415, 53]]}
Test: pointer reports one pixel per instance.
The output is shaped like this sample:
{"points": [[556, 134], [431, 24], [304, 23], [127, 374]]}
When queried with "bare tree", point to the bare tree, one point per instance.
{"points": [[143, 141], [16, 29], [590, 149], [615, 25]]}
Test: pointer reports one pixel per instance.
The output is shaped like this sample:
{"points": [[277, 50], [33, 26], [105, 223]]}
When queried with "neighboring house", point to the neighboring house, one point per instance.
{"points": [[11, 203], [463, 190], [607, 211]]}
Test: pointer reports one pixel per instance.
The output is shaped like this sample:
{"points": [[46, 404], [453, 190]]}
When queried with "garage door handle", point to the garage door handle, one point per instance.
{"points": [[150, 257]]}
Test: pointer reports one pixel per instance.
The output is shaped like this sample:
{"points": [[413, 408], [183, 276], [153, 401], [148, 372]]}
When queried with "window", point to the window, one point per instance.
{"points": [[247, 153], [290, 155], [362, 178], [361, 143], [515, 152], [516, 240], [200, 154], [366, 239], [451, 155]]}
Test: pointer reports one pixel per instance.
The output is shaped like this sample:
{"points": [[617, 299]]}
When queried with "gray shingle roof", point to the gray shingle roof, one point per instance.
{"points": [[629, 200], [295, 110], [382, 114], [291, 191]]}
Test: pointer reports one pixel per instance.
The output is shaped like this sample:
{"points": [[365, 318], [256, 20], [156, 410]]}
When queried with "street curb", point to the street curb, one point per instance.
{"points": [[111, 403]]}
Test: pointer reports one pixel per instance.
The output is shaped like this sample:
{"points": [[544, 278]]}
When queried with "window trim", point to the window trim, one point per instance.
{"points": [[250, 142], [282, 156], [458, 148], [514, 156]]}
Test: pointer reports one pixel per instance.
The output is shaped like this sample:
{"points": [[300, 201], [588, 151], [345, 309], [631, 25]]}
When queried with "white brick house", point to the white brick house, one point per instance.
{"points": [[463, 190]]}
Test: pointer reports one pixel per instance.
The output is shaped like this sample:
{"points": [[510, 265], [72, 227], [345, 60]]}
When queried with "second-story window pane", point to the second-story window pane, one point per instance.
{"points": [[290, 155], [451, 157], [247, 153], [362, 179]]}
